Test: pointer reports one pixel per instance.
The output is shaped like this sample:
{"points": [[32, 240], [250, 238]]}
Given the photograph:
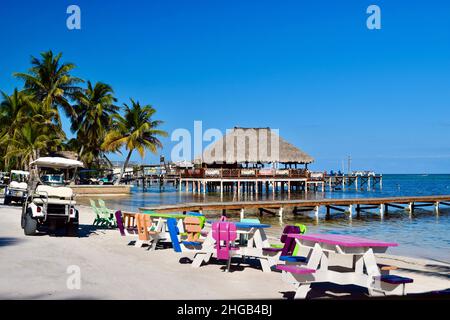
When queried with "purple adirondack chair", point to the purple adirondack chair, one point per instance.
{"points": [[289, 246], [225, 233], [121, 226], [119, 220]]}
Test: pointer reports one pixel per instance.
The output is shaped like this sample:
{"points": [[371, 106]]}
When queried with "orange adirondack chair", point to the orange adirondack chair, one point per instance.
{"points": [[145, 233], [192, 227]]}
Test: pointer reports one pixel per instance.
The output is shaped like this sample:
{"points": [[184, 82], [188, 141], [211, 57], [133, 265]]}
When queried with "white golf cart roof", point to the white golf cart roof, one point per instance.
{"points": [[25, 173], [57, 163]]}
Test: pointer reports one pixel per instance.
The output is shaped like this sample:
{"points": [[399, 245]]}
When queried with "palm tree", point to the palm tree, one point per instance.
{"points": [[50, 82], [28, 141], [94, 109], [12, 109], [19, 111], [136, 130]]}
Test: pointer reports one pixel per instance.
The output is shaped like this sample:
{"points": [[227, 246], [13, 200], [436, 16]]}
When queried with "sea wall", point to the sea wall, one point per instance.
{"points": [[83, 190]]}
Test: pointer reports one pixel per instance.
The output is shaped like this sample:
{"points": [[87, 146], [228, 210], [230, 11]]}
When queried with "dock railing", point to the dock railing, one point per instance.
{"points": [[243, 173]]}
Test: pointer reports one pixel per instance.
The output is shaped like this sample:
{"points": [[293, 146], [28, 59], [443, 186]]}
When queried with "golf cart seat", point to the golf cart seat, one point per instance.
{"points": [[41, 201], [53, 195], [18, 185]]}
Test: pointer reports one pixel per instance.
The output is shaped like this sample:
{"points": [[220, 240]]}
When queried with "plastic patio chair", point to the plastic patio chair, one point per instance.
{"points": [[225, 233], [146, 231], [107, 214], [303, 230], [100, 219], [287, 252]]}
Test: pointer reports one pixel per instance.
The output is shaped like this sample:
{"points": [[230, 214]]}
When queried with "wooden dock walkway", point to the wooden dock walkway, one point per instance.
{"points": [[349, 205]]}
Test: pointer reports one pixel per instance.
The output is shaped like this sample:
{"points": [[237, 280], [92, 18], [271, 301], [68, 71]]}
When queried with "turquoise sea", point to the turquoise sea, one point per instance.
{"points": [[424, 234]]}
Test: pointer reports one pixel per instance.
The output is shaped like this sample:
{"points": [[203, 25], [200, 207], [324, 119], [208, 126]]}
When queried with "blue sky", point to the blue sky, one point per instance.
{"points": [[312, 69]]}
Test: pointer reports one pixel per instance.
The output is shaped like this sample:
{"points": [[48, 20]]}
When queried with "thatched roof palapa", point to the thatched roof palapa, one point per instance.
{"points": [[253, 145]]}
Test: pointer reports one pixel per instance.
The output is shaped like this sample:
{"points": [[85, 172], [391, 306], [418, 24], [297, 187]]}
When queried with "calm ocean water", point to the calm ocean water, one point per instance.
{"points": [[422, 235]]}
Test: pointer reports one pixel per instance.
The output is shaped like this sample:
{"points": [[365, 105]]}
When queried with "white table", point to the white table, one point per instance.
{"points": [[361, 251], [257, 240]]}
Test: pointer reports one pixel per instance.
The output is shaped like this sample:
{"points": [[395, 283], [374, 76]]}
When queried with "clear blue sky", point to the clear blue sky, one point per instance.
{"points": [[309, 68]]}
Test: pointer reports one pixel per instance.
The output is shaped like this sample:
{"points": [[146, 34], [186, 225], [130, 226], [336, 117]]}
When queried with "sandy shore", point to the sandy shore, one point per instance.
{"points": [[36, 268]]}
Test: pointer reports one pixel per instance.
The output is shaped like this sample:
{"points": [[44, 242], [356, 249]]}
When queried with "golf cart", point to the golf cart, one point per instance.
{"points": [[96, 177], [16, 190], [49, 204], [53, 179]]}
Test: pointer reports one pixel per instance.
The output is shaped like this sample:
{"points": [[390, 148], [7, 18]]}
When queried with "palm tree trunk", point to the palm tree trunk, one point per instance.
{"points": [[123, 168]]}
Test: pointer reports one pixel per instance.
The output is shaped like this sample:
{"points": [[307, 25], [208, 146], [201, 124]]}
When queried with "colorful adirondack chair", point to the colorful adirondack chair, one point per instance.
{"points": [[120, 225], [201, 218], [145, 231], [107, 213], [190, 239], [96, 211], [225, 234], [101, 219], [173, 233], [193, 228], [126, 223], [286, 253], [303, 230]]}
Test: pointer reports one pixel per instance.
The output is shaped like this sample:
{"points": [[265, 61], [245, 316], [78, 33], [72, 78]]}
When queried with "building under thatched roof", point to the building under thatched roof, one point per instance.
{"points": [[253, 145]]}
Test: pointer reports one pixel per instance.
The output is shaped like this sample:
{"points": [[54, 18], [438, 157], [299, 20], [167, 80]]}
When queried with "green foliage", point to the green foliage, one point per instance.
{"points": [[30, 121], [136, 130], [94, 109]]}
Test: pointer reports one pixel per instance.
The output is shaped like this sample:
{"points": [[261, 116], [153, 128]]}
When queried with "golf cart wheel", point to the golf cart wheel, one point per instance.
{"points": [[30, 225], [101, 182], [7, 200], [72, 229], [22, 218]]}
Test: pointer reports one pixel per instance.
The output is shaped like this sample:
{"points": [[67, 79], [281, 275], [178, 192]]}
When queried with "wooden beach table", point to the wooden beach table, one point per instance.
{"points": [[361, 251], [257, 241]]}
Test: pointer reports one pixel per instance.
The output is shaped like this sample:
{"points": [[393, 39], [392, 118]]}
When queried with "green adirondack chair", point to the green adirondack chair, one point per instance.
{"points": [[103, 218], [107, 214], [99, 219]]}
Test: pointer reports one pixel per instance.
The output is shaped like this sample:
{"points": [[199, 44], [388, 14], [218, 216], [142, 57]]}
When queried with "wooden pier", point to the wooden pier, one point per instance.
{"points": [[353, 182], [278, 208], [146, 176]]}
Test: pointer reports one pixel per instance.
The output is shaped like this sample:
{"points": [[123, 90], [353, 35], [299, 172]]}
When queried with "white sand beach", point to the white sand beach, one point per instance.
{"points": [[36, 268]]}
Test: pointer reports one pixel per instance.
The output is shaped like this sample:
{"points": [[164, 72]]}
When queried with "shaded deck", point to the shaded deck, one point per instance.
{"points": [[254, 180]]}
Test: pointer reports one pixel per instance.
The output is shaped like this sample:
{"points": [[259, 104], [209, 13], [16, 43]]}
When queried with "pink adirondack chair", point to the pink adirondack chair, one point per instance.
{"points": [[225, 234]]}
